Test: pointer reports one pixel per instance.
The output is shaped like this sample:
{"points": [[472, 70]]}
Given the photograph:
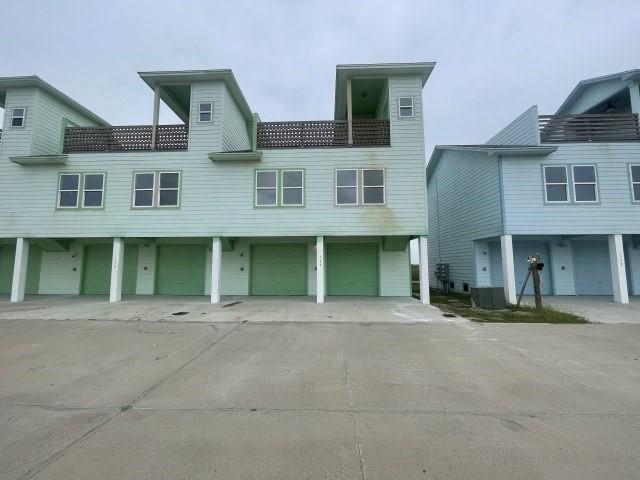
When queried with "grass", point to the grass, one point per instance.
{"points": [[460, 304]]}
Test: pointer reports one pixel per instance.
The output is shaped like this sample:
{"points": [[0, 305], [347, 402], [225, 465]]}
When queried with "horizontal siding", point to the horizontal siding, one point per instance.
{"points": [[464, 205], [18, 141], [235, 135], [592, 95], [48, 131], [206, 136], [394, 273], [526, 212], [522, 131]]}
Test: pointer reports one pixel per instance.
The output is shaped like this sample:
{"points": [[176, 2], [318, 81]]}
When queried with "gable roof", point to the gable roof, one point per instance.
{"points": [[625, 79], [37, 82]]}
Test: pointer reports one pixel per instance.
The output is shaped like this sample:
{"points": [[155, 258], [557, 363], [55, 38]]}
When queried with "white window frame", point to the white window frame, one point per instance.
{"points": [[384, 189], [594, 183], [153, 190], [346, 186], [158, 188], [101, 190], [283, 188], [566, 184], [400, 107], [23, 117], [200, 112], [77, 190], [257, 188], [633, 195]]}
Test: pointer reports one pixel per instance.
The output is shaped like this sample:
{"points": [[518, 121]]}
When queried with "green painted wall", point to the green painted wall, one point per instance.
{"points": [[130, 269], [96, 274], [279, 269], [33, 270], [180, 270], [352, 269], [7, 257]]}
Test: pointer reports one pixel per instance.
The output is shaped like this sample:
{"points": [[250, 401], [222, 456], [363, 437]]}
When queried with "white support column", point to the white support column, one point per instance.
{"points": [[216, 269], [320, 269], [156, 116], [20, 270], [425, 297], [634, 95], [618, 269], [117, 262], [508, 269]]}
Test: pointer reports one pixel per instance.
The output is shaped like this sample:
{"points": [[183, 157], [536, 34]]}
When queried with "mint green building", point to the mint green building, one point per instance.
{"points": [[221, 204]]}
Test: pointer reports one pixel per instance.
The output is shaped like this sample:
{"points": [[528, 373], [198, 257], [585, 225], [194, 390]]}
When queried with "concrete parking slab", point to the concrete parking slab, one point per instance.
{"points": [[318, 400], [231, 309], [600, 309]]}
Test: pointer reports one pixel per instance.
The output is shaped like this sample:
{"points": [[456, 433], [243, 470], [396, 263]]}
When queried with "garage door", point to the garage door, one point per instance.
{"points": [[591, 267], [521, 252], [96, 274], [7, 254], [352, 269], [181, 269], [279, 269]]}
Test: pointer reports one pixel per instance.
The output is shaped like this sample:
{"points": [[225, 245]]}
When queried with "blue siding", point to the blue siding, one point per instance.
{"points": [[591, 95], [464, 205], [614, 213], [522, 131], [521, 251], [592, 268]]}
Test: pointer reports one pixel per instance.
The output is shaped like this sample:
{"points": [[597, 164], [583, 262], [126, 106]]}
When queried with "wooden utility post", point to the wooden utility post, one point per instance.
{"points": [[534, 272]]}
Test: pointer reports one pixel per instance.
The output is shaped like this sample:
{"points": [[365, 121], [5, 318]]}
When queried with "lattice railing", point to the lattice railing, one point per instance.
{"points": [[589, 128], [125, 138], [323, 133]]}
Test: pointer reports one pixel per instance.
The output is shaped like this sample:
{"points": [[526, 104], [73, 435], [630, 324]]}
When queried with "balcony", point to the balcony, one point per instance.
{"points": [[125, 138], [329, 133], [582, 128]]}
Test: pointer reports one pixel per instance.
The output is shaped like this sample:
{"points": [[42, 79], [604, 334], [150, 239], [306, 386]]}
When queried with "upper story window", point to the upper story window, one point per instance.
{"points": [[88, 186], [205, 112], [18, 117], [156, 189], [585, 186], [634, 172], [405, 107], [556, 184], [283, 188], [360, 186]]}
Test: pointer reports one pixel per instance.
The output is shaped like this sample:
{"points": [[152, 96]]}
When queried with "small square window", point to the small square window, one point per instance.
{"points": [[18, 116], [405, 107], [205, 112]]}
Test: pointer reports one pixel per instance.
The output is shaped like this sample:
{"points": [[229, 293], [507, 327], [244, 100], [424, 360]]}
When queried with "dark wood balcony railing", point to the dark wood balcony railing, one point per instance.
{"points": [[589, 128], [324, 133], [125, 138]]}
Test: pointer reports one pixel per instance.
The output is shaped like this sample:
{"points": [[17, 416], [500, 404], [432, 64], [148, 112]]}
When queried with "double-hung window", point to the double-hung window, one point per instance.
{"points": [[585, 185], [347, 186], [93, 190], [156, 189], [75, 186], [68, 190], [405, 107], [292, 188], [205, 112], [266, 188], [634, 173], [556, 185], [18, 116], [360, 186]]}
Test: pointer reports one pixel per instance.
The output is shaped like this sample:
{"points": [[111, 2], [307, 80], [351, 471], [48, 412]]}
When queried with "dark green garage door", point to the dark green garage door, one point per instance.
{"points": [[7, 254], [352, 269], [96, 275], [181, 269], [279, 269]]}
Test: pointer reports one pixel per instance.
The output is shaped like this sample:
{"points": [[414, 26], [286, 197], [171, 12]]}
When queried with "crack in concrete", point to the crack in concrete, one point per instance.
{"points": [[122, 409], [352, 409]]}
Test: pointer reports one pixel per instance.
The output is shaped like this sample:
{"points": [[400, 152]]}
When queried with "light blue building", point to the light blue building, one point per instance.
{"points": [[563, 186]]}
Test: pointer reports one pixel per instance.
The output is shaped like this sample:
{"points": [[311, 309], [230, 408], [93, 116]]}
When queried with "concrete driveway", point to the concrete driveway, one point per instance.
{"points": [[179, 400]]}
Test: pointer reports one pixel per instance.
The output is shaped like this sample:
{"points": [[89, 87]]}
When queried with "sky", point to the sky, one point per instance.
{"points": [[494, 58]]}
